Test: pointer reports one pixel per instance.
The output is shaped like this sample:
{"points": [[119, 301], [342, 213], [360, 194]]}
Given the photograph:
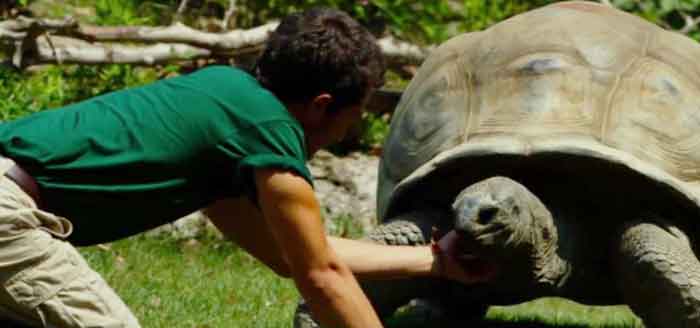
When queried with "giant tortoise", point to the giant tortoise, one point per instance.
{"points": [[563, 146]]}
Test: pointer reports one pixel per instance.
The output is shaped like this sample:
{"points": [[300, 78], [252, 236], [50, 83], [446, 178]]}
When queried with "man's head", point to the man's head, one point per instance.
{"points": [[323, 65]]}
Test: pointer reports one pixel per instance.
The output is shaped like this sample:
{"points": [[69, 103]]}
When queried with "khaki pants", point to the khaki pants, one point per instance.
{"points": [[45, 281]]}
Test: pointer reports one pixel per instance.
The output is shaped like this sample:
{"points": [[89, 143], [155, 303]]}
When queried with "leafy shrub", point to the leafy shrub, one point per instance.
{"points": [[671, 14], [344, 226], [54, 86], [423, 21]]}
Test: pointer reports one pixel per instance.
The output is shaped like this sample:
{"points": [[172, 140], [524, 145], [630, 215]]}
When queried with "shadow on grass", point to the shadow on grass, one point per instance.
{"points": [[541, 313], [408, 323]]}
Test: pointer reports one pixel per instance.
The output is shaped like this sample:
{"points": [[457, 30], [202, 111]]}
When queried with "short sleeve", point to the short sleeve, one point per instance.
{"points": [[273, 144], [275, 161]]}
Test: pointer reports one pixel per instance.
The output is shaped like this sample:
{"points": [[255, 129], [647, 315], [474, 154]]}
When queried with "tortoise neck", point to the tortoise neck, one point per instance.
{"points": [[550, 269], [554, 272]]}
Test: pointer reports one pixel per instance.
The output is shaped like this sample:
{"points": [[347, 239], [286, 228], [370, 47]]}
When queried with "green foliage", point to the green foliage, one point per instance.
{"points": [[55, 86], [559, 312], [127, 12], [435, 21], [110, 12], [344, 226], [666, 13], [16, 94], [478, 15], [423, 21], [97, 80], [374, 129], [549, 312]]}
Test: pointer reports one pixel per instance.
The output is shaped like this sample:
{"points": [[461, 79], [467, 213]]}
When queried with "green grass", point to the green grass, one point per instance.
{"points": [[208, 283], [540, 313], [563, 313], [205, 283]]}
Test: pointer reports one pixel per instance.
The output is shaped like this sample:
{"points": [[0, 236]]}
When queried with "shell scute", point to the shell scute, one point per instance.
{"points": [[535, 93], [655, 115], [431, 116]]}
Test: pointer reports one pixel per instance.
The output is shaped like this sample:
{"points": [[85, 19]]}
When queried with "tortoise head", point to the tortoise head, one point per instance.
{"points": [[502, 222]]}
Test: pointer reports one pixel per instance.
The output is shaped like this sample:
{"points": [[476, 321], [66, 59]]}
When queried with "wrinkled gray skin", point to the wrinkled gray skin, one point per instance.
{"points": [[651, 263], [568, 250]]}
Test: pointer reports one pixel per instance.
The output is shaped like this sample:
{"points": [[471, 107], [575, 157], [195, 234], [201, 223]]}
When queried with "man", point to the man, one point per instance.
{"points": [[218, 139]]}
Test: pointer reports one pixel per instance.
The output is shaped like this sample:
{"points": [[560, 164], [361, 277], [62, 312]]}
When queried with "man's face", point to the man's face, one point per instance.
{"points": [[326, 126], [337, 123]]}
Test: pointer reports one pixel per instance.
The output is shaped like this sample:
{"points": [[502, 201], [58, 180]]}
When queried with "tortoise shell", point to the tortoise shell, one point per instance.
{"points": [[574, 86]]}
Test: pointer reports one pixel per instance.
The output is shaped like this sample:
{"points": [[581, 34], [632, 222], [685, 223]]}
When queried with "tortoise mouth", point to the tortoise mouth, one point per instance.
{"points": [[475, 265], [471, 257]]}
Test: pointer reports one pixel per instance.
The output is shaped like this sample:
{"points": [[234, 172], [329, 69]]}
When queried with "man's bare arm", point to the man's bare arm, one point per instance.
{"points": [[242, 222], [239, 220], [293, 215], [374, 261]]}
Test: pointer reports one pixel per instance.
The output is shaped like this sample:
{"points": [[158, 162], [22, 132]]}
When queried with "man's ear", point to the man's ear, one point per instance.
{"points": [[321, 102]]}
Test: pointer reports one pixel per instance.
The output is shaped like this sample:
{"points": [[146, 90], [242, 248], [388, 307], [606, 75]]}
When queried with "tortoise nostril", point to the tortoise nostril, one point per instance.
{"points": [[487, 214]]}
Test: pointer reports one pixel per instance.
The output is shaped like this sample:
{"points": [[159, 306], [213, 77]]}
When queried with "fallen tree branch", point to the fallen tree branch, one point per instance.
{"points": [[99, 45], [397, 51], [11, 35], [24, 23], [75, 51], [179, 33], [61, 50]]}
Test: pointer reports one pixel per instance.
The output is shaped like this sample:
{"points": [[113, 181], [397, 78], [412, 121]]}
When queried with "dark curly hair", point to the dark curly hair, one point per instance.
{"points": [[321, 50]]}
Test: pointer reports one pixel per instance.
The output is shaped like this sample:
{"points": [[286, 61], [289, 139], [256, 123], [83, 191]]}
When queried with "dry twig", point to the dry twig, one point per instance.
{"points": [[180, 10], [229, 14]]}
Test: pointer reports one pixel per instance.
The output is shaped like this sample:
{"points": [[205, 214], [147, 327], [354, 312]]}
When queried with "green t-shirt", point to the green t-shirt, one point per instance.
{"points": [[131, 160]]}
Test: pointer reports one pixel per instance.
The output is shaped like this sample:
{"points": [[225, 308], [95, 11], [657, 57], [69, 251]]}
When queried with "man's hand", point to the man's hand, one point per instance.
{"points": [[450, 264]]}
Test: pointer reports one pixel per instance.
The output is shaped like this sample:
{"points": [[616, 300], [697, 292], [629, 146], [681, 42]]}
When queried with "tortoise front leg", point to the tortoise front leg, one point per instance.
{"points": [[659, 275], [412, 229]]}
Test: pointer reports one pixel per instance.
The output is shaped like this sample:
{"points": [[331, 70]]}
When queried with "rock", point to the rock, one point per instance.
{"points": [[190, 226], [346, 186]]}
